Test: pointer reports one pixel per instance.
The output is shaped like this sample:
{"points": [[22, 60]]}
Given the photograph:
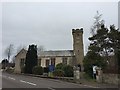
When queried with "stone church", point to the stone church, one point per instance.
{"points": [[45, 58]]}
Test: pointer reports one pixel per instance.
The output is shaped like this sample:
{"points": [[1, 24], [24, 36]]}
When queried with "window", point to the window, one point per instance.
{"points": [[53, 61], [47, 62], [22, 62], [64, 60]]}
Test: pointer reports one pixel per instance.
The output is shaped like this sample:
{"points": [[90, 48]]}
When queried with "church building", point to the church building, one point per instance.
{"points": [[45, 58]]}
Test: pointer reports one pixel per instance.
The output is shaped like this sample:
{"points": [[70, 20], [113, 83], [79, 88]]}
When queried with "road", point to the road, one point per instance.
{"points": [[22, 81]]}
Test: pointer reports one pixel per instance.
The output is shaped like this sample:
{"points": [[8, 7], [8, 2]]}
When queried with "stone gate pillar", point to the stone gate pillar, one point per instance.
{"points": [[99, 75]]}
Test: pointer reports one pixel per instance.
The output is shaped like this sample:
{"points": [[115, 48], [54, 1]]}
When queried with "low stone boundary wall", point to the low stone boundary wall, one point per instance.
{"points": [[111, 78]]}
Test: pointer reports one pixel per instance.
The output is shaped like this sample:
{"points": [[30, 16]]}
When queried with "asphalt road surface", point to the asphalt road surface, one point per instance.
{"points": [[21, 81], [15, 81]]}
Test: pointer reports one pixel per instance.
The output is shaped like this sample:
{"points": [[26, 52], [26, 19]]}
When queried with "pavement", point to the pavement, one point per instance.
{"points": [[16, 81]]}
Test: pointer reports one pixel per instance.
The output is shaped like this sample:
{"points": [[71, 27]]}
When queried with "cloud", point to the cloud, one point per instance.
{"points": [[51, 24]]}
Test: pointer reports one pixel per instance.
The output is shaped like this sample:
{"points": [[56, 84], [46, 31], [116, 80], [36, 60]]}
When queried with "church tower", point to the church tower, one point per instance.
{"points": [[78, 46]]}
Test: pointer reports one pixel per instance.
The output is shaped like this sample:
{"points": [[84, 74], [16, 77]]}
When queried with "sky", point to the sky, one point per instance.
{"points": [[50, 23]]}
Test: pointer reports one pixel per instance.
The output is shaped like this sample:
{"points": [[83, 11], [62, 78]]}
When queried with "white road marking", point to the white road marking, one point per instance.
{"points": [[90, 86], [28, 82], [11, 78], [51, 88]]}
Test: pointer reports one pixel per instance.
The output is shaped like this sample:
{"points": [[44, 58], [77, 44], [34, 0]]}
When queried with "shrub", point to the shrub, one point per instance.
{"points": [[60, 66], [91, 59], [38, 70], [46, 69], [58, 72], [68, 71]]}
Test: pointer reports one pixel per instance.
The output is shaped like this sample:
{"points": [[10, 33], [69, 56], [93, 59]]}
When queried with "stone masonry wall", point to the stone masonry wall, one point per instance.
{"points": [[111, 79]]}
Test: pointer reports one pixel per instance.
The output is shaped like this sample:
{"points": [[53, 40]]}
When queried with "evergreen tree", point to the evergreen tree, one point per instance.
{"points": [[98, 48], [118, 61], [31, 58], [105, 43], [100, 42], [4, 63], [91, 59], [114, 39]]}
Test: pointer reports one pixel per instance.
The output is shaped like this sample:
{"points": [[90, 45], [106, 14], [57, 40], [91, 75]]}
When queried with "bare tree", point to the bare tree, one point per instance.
{"points": [[9, 51], [13, 59], [40, 49], [97, 23]]}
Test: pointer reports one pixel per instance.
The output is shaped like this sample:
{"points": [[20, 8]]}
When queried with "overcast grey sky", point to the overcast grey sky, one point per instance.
{"points": [[50, 24]]}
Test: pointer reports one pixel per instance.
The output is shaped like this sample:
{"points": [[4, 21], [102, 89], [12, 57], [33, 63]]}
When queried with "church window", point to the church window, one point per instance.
{"points": [[64, 60], [53, 61], [47, 62]]}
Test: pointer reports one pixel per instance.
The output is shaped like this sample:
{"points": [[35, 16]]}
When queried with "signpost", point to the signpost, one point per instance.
{"points": [[51, 69]]}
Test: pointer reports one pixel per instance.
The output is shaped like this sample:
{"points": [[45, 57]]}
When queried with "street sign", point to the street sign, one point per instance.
{"points": [[51, 68]]}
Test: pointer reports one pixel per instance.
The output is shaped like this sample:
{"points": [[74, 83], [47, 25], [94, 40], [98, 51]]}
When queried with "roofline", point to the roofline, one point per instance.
{"points": [[55, 56], [20, 51], [57, 50]]}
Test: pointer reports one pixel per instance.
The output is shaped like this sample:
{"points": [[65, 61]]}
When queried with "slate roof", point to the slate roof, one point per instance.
{"points": [[52, 53], [57, 53]]}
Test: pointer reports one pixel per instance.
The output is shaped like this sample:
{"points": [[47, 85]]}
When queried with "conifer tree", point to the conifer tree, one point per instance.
{"points": [[31, 58], [104, 44], [114, 39]]}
